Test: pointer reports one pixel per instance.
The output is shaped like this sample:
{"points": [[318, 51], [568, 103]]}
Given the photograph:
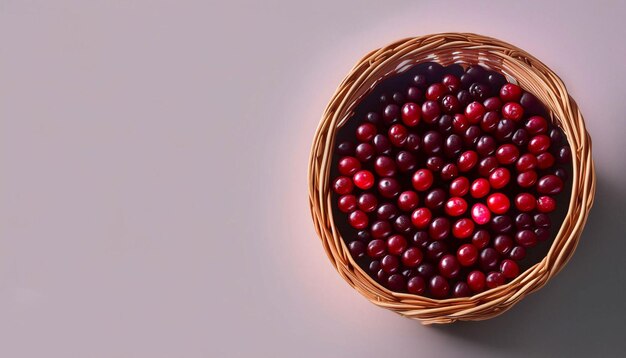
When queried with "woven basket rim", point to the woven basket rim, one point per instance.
{"points": [[446, 48]]}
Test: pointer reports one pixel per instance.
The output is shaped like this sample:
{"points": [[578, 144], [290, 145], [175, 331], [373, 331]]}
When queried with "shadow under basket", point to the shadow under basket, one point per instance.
{"points": [[466, 49]]}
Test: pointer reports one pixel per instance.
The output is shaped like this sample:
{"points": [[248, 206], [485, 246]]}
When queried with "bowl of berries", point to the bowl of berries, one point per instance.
{"points": [[450, 176]]}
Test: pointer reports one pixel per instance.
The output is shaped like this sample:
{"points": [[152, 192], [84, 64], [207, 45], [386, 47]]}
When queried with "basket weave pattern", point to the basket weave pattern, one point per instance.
{"points": [[465, 49]]}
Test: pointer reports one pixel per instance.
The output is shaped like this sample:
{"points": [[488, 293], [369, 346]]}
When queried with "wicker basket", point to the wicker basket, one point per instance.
{"points": [[448, 48]]}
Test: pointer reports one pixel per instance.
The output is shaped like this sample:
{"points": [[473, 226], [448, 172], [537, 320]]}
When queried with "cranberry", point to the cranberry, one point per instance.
{"points": [[539, 144], [523, 221], [385, 166], [422, 179], [413, 142], [527, 179], [526, 238], [347, 203], [461, 289], [471, 135], [549, 184], [432, 142], [397, 134], [452, 82], [398, 97], [494, 279], [512, 110], [373, 117], [364, 235], [406, 161], [489, 122], [389, 187], [368, 202], [416, 285], [345, 148], [382, 276], [387, 211], [542, 220], [455, 206], [407, 200], [564, 155], [391, 112], [396, 282], [467, 254], [505, 129], [420, 81], [435, 250], [365, 132], [467, 160], [499, 178], [545, 160], [396, 244], [480, 187], [501, 224], [412, 257], [520, 137], [488, 259], [479, 91], [507, 154], [421, 218], [426, 270], [517, 253], [487, 165], [503, 244], [439, 228], [510, 93], [445, 124], [449, 171], [492, 104], [509, 269], [542, 234], [449, 266], [363, 179], [358, 219], [498, 203], [380, 229], [348, 166], [476, 281], [460, 123], [453, 145], [481, 239], [486, 145], [526, 162], [435, 199], [435, 91], [430, 111], [365, 152], [536, 125], [434, 163], [459, 186], [411, 114], [390, 264], [481, 214], [382, 145], [463, 228], [525, 202], [546, 204], [439, 287], [421, 239], [474, 111], [402, 224], [343, 185]]}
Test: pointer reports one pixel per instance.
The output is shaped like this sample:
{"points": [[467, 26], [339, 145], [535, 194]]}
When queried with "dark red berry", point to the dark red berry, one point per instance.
{"points": [[439, 287], [411, 114], [494, 279], [510, 93], [467, 254]]}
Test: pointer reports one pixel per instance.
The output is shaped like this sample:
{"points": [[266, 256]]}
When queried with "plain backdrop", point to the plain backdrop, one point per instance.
{"points": [[153, 189]]}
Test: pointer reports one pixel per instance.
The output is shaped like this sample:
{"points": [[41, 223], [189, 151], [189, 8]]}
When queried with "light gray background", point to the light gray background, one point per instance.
{"points": [[153, 190]]}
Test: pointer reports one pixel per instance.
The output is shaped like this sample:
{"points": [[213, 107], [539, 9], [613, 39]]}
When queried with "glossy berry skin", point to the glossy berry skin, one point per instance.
{"points": [[461, 289], [526, 238], [449, 266], [389, 187], [408, 200], [549, 184], [526, 162], [365, 132], [386, 211], [380, 229], [347, 203], [385, 166], [509, 269], [527, 179], [396, 282], [412, 257], [513, 111], [539, 144], [435, 91], [411, 114], [480, 214], [546, 204], [397, 135], [480, 187], [481, 238], [406, 161], [449, 172], [503, 244], [348, 166], [492, 104], [525, 202], [510, 93], [396, 244], [467, 160], [390, 264], [435, 199], [474, 111], [476, 281], [422, 180], [416, 285], [421, 218], [459, 187], [488, 259], [357, 249], [452, 82], [507, 154], [343, 185], [467, 254], [439, 287], [487, 165], [517, 253], [368, 202], [363, 179], [430, 111], [455, 206], [463, 228], [536, 125], [365, 152], [439, 228], [499, 178], [545, 160], [358, 219], [494, 279]]}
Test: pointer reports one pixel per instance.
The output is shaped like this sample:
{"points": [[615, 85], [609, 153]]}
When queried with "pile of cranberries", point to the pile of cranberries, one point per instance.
{"points": [[446, 179]]}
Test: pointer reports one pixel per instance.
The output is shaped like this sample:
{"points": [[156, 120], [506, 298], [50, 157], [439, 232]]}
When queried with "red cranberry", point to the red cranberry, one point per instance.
{"points": [[439, 287], [463, 228], [510, 93], [385, 166], [526, 238], [499, 178], [450, 104], [358, 219], [449, 171], [542, 234], [420, 81], [523, 221], [391, 112], [364, 235], [476, 281], [536, 125], [542, 220], [507, 154], [434, 163], [412, 257], [459, 186], [471, 135], [421, 239], [460, 123], [426, 270], [430, 111], [345, 148], [546, 204], [435, 199], [382, 276], [439, 228], [453, 145], [347, 203], [526, 162], [357, 249], [481, 239], [449, 266], [365, 132], [368, 202], [406, 161], [435, 250], [365, 152], [373, 117], [487, 165], [422, 179], [549, 184], [402, 224], [467, 254], [396, 282], [413, 142], [398, 134], [455, 206], [479, 91], [509, 269], [390, 264], [382, 145], [348, 166], [525, 202], [343, 185], [501, 224], [517, 253], [432, 143], [387, 211], [527, 179], [467, 160], [452, 82], [564, 155], [489, 122], [396, 244], [421, 218], [416, 285], [435, 91], [363, 179], [545, 160], [481, 214], [389, 187], [474, 111], [539, 144], [494, 279], [407, 200], [480, 187], [445, 124], [503, 244], [380, 229], [492, 104], [486, 145], [461, 289], [520, 137], [512, 110], [411, 114], [488, 259]]}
